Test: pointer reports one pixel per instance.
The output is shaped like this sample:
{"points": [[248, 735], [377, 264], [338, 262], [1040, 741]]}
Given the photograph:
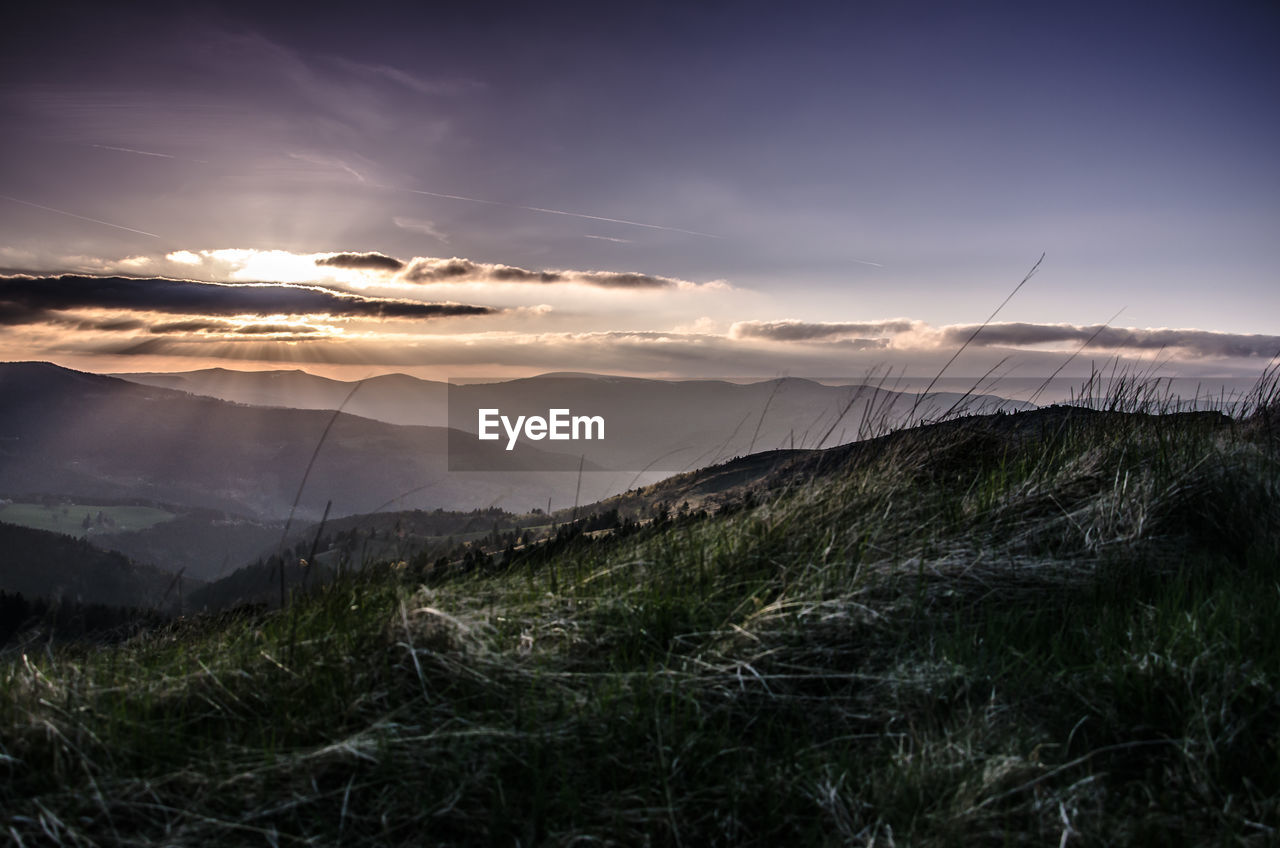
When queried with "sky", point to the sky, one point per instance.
{"points": [[660, 189]]}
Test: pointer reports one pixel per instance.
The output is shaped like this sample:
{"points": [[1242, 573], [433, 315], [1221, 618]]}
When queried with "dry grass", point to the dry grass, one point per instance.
{"points": [[977, 633]]}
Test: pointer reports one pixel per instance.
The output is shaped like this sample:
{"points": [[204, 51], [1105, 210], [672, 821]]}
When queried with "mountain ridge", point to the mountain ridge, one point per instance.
{"points": [[70, 432]]}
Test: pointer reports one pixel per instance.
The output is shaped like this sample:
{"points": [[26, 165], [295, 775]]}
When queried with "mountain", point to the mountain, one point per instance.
{"points": [[393, 398], [64, 431], [658, 425]]}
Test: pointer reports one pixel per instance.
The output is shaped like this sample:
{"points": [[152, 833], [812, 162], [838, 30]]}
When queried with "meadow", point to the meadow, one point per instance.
{"points": [[79, 519]]}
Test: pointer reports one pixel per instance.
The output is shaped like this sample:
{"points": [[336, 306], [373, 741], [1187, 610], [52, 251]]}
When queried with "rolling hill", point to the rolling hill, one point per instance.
{"points": [[1056, 627], [67, 432], [40, 564], [392, 398]]}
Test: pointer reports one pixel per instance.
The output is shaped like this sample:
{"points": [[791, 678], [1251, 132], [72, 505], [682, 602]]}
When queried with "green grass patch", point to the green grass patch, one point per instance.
{"points": [[80, 520]]}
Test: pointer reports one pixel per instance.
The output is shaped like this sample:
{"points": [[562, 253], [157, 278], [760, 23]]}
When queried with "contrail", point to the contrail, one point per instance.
{"points": [[131, 150], [147, 153], [81, 217], [583, 216], [327, 162], [558, 212]]}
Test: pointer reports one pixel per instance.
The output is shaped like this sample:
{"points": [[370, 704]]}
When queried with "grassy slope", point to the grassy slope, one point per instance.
{"points": [[968, 636]]}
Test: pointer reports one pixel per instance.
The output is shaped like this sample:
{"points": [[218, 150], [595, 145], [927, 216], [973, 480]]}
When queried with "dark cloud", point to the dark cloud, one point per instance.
{"points": [[802, 331], [624, 281], [505, 273], [862, 344], [428, 270], [111, 325], [438, 270], [26, 300], [275, 329], [1198, 342], [15, 313], [371, 261], [198, 325], [424, 270], [195, 325]]}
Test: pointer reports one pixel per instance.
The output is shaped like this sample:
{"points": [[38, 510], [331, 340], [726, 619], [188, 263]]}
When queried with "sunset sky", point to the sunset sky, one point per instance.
{"points": [[682, 189]]}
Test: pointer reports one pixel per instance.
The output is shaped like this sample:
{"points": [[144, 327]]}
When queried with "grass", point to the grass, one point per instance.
{"points": [[1056, 628], [69, 518]]}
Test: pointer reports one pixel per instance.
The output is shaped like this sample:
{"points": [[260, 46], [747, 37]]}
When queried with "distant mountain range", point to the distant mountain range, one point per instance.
{"points": [[231, 467], [657, 425], [67, 432], [393, 398]]}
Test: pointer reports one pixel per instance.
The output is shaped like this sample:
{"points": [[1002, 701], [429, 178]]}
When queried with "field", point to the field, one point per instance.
{"points": [[80, 520], [1048, 628]]}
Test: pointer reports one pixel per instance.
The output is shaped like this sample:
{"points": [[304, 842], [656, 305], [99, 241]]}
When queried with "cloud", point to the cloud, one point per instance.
{"points": [[427, 270], [904, 335], [862, 344], [625, 281], [251, 265], [360, 269], [195, 325], [1190, 341], [638, 352], [612, 350], [14, 313], [507, 274], [276, 329], [419, 225], [446, 87], [25, 299], [371, 261], [115, 325], [803, 331]]}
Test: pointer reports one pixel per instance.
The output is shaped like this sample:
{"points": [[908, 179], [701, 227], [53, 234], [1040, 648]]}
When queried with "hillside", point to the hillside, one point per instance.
{"points": [[1058, 628], [967, 437], [40, 564], [201, 543], [354, 542]]}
